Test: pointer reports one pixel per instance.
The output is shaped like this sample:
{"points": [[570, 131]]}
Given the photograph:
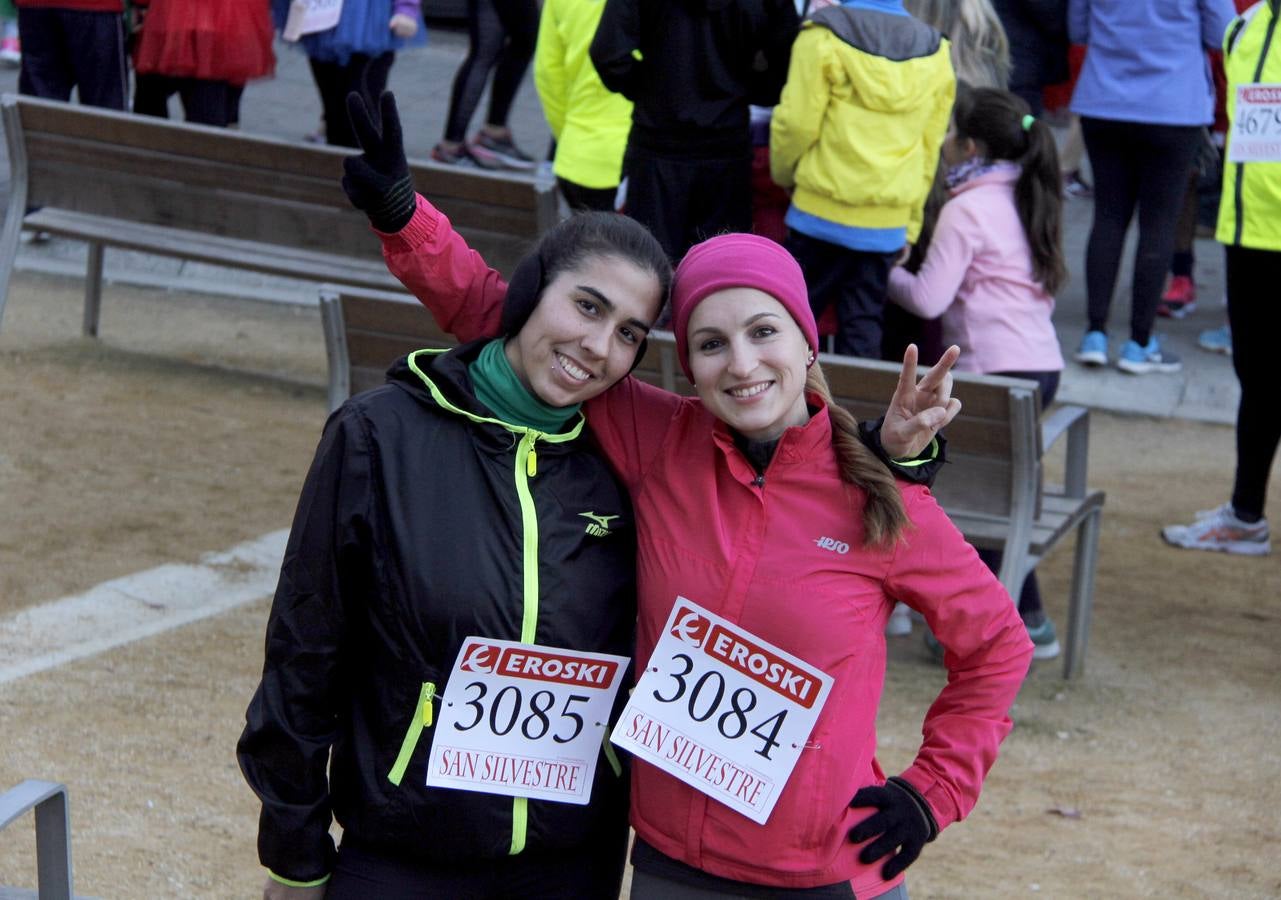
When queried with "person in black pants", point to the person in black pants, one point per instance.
{"points": [[81, 48], [1250, 228], [362, 74], [1144, 96], [691, 70], [1144, 166], [502, 35]]}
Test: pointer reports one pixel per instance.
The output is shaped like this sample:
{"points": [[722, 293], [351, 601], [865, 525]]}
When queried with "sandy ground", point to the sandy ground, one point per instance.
{"points": [[188, 428]]}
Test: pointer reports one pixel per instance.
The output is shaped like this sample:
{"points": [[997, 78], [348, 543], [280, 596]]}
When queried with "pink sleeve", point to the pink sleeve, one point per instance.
{"points": [[409, 8], [931, 290], [448, 277], [631, 422], [987, 656]]}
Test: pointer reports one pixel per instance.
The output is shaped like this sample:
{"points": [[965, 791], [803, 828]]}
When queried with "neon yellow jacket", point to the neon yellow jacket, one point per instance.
{"points": [[1250, 209], [590, 123], [858, 129]]}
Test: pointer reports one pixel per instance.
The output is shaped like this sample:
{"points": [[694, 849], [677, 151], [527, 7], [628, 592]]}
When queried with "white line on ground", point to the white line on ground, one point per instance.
{"points": [[137, 606]]}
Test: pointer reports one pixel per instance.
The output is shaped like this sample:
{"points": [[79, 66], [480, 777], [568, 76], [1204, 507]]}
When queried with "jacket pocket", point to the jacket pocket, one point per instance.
{"points": [[424, 716]]}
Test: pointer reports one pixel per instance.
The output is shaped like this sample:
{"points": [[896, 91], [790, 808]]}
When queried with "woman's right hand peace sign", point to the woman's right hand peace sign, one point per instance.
{"points": [[377, 181]]}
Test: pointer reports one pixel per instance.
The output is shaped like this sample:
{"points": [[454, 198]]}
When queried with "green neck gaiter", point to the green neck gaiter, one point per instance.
{"points": [[499, 389]]}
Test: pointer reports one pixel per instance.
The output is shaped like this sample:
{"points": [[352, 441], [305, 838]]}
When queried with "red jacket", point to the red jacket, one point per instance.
{"points": [[110, 6], [751, 553]]}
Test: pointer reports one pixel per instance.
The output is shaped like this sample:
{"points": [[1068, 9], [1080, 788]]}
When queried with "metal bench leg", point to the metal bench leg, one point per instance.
{"points": [[93, 289], [53, 848], [53, 832], [1081, 604]]}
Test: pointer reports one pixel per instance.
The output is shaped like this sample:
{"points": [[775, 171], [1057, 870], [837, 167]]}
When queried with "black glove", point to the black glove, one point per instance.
{"points": [[377, 181], [904, 821]]}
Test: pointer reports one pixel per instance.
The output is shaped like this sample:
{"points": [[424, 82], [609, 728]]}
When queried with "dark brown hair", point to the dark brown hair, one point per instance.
{"points": [[884, 517], [996, 119]]}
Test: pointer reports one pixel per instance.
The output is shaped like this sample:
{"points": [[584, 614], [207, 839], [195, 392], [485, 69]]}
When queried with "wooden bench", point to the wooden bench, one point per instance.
{"points": [[226, 198], [993, 489]]}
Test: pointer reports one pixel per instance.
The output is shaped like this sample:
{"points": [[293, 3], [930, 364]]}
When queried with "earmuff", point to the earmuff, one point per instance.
{"points": [[523, 291]]}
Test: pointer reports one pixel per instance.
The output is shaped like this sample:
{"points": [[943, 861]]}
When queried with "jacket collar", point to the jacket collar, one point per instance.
{"points": [[439, 378], [798, 444]]}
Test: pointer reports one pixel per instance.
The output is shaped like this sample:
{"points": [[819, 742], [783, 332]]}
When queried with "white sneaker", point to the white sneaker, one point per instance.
{"points": [[1220, 529], [900, 622]]}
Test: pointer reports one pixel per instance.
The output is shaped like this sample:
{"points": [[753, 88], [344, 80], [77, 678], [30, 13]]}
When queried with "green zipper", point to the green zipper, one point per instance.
{"points": [[526, 467], [422, 718]]}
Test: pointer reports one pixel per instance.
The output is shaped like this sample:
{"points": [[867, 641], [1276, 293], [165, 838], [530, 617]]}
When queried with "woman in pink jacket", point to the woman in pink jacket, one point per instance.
{"points": [[995, 263], [758, 501]]}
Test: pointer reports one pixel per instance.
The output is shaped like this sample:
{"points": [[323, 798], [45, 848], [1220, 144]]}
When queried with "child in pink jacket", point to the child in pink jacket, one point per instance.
{"points": [[995, 263]]}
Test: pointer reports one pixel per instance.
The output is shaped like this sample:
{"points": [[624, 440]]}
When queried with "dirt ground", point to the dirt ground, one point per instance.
{"points": [[188, 428]]}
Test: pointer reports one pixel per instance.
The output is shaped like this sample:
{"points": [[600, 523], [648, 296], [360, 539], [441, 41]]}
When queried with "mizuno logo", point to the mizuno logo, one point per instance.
{"points": [[599, 525]]}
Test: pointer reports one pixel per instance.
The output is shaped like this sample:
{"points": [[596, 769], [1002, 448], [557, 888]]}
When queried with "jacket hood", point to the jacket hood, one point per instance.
{"points": [[446, 371], [886, 36]]}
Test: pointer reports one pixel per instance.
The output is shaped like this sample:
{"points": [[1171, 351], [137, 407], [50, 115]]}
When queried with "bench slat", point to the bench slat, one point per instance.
{"points": [[214, 249], [258, 153]]}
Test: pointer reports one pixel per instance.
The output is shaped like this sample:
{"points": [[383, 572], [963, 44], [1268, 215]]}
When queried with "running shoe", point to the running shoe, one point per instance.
{"points": [[460, 157], [1045, 641], [1179, 298], [1145, 360], [1220, 529], [499, 153], [1216, 340], [1093, 350]]}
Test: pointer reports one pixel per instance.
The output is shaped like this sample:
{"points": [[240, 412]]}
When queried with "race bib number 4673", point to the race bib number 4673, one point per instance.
{"points": [[1256, 124], [723, 710], [524, 720]]}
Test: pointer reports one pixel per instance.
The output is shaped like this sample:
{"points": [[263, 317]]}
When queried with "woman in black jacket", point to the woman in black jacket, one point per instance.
{"points": [[459, 499]]}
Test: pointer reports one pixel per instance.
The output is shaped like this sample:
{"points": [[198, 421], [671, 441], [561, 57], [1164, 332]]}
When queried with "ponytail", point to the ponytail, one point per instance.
{"points": [[1003, 124], [1038, 195], [884, 517]]}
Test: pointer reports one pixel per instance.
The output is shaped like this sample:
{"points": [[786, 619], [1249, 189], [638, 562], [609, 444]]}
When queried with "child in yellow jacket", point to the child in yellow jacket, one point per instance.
{"points": [[856, 135]]}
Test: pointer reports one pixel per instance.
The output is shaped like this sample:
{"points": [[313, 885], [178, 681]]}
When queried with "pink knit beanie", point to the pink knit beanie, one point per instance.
{"points": [[738, 260]]}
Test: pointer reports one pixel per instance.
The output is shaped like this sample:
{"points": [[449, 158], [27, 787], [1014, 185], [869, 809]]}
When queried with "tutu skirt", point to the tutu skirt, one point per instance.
{"points": [[364, 27], [215, 40]]}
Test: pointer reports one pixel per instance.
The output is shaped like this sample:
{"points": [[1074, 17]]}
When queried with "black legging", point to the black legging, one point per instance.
{"points": [[1143, 165], [366, 75], [502, 34], [1255, 317]]}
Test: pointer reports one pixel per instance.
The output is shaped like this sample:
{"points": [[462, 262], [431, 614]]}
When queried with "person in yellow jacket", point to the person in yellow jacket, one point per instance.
{"points": [[1250, 229], [857, 134], [588, 121]]}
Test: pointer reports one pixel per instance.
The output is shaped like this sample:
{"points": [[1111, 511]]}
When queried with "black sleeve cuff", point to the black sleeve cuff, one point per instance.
{"points": [[921, 470], [924, 807], [395, 208]]}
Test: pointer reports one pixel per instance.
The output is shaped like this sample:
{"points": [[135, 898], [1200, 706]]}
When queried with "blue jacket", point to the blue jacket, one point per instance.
{"points": [[1146, 60]]}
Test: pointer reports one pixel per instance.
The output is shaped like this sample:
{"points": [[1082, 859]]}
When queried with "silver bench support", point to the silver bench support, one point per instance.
{"points": [[53, 832]]}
